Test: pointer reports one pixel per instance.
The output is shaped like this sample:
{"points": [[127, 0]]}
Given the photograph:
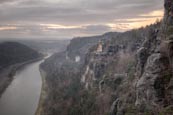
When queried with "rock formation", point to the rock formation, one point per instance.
{"points": [[155, 67], [131, 75]]}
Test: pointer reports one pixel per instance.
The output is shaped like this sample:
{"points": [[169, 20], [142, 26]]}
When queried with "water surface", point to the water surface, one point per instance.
{"points": [[22, 95]]}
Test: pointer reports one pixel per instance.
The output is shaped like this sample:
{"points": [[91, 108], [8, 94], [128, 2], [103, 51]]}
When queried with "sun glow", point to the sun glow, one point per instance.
{"points": [[134, 23], [157, 13], [7, 28], [57, 26], [147, 19]]}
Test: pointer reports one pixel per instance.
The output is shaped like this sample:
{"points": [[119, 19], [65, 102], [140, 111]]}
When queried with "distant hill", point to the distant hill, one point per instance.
{"points": [[13, 52], [46, 46]]}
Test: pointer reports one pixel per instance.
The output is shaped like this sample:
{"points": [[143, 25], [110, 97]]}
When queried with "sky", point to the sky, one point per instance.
{"points": [[64, 19]]}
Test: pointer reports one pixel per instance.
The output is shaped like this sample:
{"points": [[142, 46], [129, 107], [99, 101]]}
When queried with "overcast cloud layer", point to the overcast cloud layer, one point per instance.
{"points": [[59, 19]]}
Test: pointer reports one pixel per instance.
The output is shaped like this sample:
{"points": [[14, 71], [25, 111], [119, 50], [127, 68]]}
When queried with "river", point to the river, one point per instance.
{"points": [[22, 95]]}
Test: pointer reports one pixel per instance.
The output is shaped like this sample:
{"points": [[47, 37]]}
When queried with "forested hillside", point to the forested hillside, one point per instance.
{"points": [[12, 56], [13, 53]]}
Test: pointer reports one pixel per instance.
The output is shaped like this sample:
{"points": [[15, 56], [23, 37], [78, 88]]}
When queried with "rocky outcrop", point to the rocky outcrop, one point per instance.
{"points": [[80, 46], [151, 87], [65, 94], [154, 68], [110, 72], [130, 73]]}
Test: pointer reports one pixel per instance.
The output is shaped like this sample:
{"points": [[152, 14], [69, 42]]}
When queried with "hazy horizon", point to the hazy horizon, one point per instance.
{"points": [[62, 19]]}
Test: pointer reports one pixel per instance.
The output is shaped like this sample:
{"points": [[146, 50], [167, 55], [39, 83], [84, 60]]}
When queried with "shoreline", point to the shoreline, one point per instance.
{"points": [[43, 93], [7, 74]]}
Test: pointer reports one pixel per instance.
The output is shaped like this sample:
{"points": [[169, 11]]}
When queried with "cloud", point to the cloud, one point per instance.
{"points": [[4, 1], [51, 31], [96, 29], [75, 17], [7, 28]]}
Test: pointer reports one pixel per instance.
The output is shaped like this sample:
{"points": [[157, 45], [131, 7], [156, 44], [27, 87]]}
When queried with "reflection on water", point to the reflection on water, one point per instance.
{"points": [[22, 96]]}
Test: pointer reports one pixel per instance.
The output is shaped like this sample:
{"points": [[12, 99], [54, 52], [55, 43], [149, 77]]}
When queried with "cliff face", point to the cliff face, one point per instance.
{"points": [[79, 47], [127, 74], [65, 94], [139, 78], [114, 58], [115, 73], [74, 57], [154, 85], [147, 89], [105, 77]]}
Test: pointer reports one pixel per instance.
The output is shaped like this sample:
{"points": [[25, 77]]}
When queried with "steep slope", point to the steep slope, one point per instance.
{"points": [[80, 84], [111, 73], [128, 73], [76, 51], [79, 47], [145, 86], [154, 85], [62, 75]]}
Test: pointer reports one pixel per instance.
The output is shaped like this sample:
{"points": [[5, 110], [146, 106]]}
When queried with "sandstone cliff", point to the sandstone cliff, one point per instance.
{"points": [[126, 73]]}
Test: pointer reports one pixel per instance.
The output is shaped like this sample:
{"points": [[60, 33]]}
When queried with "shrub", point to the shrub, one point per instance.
{"points": [[167, 111], [169, 30]]}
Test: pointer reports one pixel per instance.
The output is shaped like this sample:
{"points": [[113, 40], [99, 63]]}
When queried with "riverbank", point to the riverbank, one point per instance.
{"points": [[7, 74], [43, 94]]}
